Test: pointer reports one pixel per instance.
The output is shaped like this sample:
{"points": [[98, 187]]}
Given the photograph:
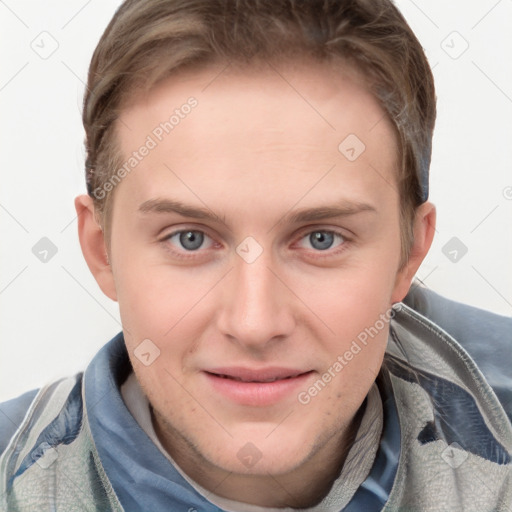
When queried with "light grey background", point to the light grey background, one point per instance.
{"points": [[53, 315]]}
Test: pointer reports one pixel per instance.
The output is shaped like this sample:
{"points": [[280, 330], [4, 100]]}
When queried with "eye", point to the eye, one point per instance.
{"points": [[322, 240], [190, 240]]}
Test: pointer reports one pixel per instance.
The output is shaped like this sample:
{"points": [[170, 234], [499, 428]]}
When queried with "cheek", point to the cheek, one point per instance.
{"points": [[355, 312], [350, 300], [344, 381], [147, 307], [154, 297], [168, 308]]}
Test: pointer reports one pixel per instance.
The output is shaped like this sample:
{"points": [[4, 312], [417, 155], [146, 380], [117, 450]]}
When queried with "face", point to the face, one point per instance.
{"points": [[253, 243]]}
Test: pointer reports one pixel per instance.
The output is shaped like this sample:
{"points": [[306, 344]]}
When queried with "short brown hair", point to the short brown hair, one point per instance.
{"points": [[149, 40]]}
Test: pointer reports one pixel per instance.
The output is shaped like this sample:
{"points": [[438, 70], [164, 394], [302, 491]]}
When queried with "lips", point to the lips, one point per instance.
{"points": [[257, 379], [256, 387], [254, 375]]}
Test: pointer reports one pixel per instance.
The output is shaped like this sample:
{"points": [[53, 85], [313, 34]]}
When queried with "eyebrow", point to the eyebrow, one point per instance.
{"points": [[340, 209], [172, 206]]}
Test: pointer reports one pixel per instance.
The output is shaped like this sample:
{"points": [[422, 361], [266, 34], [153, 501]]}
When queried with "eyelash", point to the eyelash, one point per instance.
{"points": [[183, 253], [319, 254], [327, 253]]}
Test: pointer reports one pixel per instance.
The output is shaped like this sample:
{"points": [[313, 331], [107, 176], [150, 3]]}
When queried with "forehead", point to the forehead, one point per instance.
{"points": [[257, 129]]}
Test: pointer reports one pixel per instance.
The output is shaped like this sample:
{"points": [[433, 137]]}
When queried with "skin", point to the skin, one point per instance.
{"points": [[252, 154]]}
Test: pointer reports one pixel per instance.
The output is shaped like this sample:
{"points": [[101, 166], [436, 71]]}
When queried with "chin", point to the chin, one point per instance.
{"points": [[261, 453], [262, 462]]}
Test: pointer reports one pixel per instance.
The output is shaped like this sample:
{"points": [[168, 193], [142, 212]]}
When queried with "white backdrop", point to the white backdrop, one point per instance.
{"points": [[53, 315]]}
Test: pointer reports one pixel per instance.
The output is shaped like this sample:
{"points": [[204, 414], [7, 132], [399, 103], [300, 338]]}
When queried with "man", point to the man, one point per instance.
{"points": [[257, 204]]}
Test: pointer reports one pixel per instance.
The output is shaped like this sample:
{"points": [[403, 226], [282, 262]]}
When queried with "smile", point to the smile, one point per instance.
{"points": [[256, 387]]}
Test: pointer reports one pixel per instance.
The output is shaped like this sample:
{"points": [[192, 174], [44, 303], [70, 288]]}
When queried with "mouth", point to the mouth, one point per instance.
{"points": [[272, 379], [256, 387], [255, 379]]}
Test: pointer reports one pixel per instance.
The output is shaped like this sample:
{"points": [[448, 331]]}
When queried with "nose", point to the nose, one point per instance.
{"points": [[257, 308]]}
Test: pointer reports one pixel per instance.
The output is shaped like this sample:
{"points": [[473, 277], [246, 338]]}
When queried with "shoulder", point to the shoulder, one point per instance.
{"points": [[12, 413], [58, 403], [486, 336]]}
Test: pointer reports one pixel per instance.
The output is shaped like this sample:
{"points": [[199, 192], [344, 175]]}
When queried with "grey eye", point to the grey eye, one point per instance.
{"points": [[321, 240], [191, 240]]}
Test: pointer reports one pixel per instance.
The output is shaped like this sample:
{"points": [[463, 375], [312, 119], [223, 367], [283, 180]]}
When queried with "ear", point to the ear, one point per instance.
{"points": [[424, 228], [93, 245]]}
